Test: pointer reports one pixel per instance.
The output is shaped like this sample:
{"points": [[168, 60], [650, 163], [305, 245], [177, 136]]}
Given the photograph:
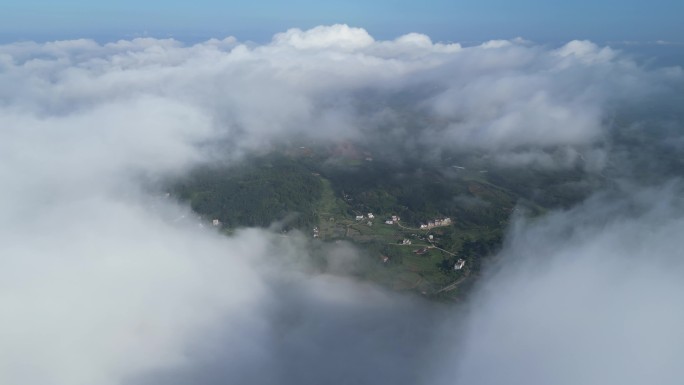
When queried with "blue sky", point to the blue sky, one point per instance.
{"points": [[444, 20]]}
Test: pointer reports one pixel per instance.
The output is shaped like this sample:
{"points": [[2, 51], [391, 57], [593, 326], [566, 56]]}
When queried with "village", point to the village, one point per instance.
{"points": [[394, 220], [414, 242], [436, 223], [411, 235]]}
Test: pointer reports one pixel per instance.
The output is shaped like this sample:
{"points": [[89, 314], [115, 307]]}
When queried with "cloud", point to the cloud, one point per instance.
{"points": [[97, 288], [590, 296], [104, 281], [333, 82], [319, 329], [338, 36]]}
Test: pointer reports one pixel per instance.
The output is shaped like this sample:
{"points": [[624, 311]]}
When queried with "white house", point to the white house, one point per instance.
{"points": [[459, 264], [436, 223], [371, 216], [359, 217], [216, 222], [389, 222]]}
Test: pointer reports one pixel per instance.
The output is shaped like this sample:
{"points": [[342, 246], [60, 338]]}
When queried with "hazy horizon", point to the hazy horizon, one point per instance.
{"points": [[600, 21]]}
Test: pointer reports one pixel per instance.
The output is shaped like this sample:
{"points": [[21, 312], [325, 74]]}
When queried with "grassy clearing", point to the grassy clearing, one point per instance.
{"points": [[405, 269]]}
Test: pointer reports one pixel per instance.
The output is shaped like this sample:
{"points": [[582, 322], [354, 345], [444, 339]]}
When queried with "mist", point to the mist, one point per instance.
{"points": [[105, 280], [591, 295]]}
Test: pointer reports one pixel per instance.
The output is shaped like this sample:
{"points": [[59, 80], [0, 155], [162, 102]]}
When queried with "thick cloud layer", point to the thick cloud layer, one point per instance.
{"points": [[338, 82], [589, 296], [314, 330], [103, 282]]}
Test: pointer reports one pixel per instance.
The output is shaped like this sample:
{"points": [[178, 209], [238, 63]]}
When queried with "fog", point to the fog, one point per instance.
{"points": [[105, 280], [589, 296]]}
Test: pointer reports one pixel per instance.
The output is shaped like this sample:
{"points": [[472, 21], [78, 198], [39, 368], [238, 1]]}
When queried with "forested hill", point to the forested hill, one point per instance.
{"points": [[289, 185], [257, 193], [344, 193]]}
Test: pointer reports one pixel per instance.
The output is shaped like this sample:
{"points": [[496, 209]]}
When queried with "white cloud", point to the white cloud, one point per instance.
{"points": [[99, 288], [589, 296], [587, 51], [497, 96], [338, 36]]}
